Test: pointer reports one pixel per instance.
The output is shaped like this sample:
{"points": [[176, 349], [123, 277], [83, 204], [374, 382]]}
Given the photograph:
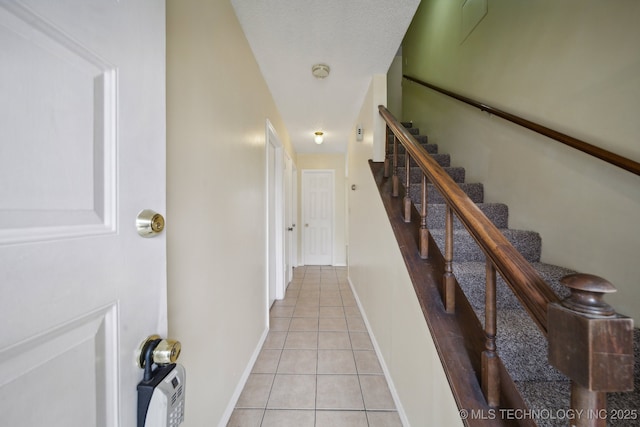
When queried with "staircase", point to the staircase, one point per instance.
{"points": [[520, 345]]}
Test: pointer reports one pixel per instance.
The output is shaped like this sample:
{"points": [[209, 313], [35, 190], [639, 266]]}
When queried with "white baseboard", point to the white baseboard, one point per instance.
{"points": [[243, 381], [383, 364]]}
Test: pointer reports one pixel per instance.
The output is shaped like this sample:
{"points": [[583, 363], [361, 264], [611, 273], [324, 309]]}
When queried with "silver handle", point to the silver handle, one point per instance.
{"points": [[149, 223]]}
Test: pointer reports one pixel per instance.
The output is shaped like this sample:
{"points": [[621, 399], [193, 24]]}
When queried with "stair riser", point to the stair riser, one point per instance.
{"points": [[497, 213], [528, 243], [471, 277], [475, 191], [430, 148], [443, 160], [422, 139], [457, 174]]}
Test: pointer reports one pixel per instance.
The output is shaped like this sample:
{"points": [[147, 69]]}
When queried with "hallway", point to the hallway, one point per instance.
{"points": [[317, 367]]}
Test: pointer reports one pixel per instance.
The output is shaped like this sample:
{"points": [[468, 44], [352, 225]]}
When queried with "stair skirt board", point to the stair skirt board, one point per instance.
{"points": [[520, 345]]}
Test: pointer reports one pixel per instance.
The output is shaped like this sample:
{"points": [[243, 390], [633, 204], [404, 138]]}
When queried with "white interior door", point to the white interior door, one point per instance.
{"points": [[317, 205], [82, 151]]}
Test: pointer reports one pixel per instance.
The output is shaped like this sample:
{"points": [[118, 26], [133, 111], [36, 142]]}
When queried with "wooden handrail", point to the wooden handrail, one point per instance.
{"points": [[602, 154], [532, 291]]}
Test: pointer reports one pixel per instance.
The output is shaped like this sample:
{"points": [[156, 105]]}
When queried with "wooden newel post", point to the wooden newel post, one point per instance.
{"points": [[592, 345]]}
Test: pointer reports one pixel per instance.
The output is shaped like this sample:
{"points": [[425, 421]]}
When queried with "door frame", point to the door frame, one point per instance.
{"points": [[290, 210], [332, 172], [295, 215], [274, 261]]}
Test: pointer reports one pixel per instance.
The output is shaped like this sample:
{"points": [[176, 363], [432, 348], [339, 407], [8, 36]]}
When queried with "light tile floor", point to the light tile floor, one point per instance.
{"points": [[317, 367]]}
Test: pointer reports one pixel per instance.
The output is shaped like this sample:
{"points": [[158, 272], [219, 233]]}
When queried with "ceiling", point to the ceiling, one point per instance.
{"points": [[356, 38]]}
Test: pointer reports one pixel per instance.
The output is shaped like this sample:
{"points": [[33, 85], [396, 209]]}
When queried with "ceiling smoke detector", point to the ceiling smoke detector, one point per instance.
{"points": [[320, 71]]}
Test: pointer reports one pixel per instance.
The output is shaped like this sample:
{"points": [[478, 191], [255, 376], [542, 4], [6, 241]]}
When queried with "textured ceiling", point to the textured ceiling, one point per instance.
{"points": [[356, 38]]}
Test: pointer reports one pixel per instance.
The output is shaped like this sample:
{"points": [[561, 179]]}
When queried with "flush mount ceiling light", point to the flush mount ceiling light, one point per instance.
{"points": [[318, 138], [320, 71]]}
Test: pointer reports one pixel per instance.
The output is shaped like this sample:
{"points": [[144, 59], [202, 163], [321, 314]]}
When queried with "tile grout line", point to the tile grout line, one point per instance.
{"points": [[319, 283]]}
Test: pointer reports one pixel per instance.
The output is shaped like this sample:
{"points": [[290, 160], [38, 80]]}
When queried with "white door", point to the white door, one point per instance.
{"points": [[82, 151], [317, 205]]}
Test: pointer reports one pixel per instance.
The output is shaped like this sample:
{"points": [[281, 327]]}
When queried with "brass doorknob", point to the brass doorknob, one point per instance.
{"points": [[167, 352], [163, 351]]}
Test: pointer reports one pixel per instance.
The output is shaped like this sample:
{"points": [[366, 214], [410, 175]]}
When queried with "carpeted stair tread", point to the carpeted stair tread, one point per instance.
{"points": [[430, 148], [443, 160], [528, 243], [549, 399], [471, 277], [422, 139], [415, 174], [522, 348], [498, 213], [474, 190]]}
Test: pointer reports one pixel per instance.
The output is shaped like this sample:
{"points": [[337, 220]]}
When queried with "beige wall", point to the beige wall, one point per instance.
{"points": [[382, 284], [572, 65], [335, 162], [218, 103], [394, 86]]}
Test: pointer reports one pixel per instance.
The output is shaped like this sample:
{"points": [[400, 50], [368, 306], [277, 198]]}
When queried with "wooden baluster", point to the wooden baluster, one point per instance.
{"points": [[424, 231], [449, 288], [592, 345], [490, 365], [395, 180], [407, 186], [387, 165]]}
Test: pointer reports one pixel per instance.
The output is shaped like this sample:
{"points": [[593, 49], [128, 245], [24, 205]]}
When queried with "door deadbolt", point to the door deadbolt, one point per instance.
{"points": [[157, 350], [149, 223]]}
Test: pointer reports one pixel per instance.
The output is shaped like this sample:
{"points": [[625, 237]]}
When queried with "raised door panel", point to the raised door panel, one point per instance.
{"points": [[59, 128]]}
